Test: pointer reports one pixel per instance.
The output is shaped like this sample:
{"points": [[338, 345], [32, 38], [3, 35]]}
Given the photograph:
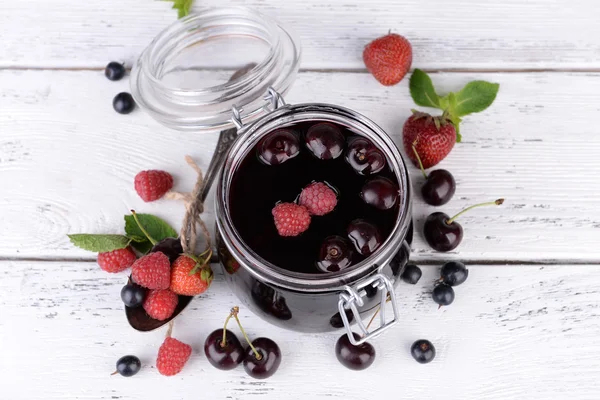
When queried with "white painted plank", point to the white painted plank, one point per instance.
{"points": [[513, 332], [67, 160], [445, 34]]}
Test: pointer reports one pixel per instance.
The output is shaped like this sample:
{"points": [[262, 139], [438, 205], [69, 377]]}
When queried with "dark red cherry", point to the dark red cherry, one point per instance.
{"points": [[380, 192], [354, 357], [441, 235], [221, 356], [325, 141], [270, 358], [335, 254], [278, 147], [364, 157], [439, 187], [170, 247], [365, 236]]}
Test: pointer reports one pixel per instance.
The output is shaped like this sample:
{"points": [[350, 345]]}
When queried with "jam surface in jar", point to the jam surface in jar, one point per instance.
{"points": [[288, 160]]}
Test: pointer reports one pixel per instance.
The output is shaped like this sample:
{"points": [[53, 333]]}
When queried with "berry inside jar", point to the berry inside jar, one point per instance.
{"points": [[314, 197]]}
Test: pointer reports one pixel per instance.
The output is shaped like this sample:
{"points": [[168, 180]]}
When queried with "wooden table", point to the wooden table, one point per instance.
{"points": [[526, 325]]}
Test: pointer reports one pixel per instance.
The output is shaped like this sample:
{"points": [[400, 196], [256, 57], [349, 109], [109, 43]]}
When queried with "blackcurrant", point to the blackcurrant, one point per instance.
{"points": [[454, 273], [128, 366], [411, 274], [133, 295], [114, 71], [123, 103], [443, 294], [422, 351]]}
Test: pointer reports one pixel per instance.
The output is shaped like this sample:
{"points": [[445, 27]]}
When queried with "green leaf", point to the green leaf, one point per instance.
{"points": [[99, 243], [156, 228], [475, 97], [182, 6], [422, 90]]}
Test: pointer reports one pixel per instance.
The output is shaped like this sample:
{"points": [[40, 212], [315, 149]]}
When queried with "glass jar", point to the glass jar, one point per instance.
{"points": [[183, 79]]}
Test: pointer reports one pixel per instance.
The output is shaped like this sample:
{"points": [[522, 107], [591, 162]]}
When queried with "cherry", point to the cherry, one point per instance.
{"points": [[114, 71], [354, 357], [263, 357], [133, 295], [454, 273], [443, 233], [380, 192], [123, 103], [335, 254], [278, 147], [411, 274], [128, 366], [439, 186], [422, 351], [443, 294], [171, 247], [325, 141], [364, 157], [365, 236], [223, 349]]}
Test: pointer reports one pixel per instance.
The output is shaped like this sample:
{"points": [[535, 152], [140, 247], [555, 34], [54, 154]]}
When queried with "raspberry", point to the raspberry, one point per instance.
{"points": [[188, 278], [116, 260], [152, 271], [153, 184], [318, 198], [160, 304], [172, 356], [290, 219]]}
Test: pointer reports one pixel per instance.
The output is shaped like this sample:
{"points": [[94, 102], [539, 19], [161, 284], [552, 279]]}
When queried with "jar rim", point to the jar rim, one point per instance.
{"points": [[318, 282], [208, 108]]}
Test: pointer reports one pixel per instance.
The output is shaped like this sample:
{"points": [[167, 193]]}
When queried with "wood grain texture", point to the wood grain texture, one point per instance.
{"points": [[513, 332], [445, 34], [67, 161]]}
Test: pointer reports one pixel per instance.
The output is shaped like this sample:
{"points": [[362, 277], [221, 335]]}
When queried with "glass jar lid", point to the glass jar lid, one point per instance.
{"points": [[197, 69]]}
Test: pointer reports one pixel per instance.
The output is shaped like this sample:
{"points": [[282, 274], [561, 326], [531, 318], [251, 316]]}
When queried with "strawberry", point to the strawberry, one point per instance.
{"points": [[116, 260], [153, 271], [189, 276], [388, 58], [433, 138], [152, 184], [172, 356]]}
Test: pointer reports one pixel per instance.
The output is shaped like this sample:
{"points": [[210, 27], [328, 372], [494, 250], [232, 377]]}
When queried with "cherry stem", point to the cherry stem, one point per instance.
{"points": [[388, 299], [419, 160], [491, 203], [144, 231], [224, 340], [234, 312], [114, 373]]}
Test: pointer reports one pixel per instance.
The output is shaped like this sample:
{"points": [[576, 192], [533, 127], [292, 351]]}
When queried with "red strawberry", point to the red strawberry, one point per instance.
{"points": [[189, 277], [290, 219], [172, 356], [388, 58], [116, 260], [153, 184], [160, 304], [433, 138], [152, 271], [318, 198]]}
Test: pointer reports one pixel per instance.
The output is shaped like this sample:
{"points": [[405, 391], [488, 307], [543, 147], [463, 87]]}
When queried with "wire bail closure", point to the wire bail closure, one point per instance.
{"points": [[353, 298], [274, 101]]}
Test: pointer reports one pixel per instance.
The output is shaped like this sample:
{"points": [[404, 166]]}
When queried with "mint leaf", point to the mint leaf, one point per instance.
{"points": [[156, 228], [422, 90], [99, 243], [182, 6], [475, 97]]}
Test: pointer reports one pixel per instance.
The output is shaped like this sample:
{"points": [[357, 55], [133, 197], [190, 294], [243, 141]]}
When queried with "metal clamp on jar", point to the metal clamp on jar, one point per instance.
{"points": [[169, 81]]}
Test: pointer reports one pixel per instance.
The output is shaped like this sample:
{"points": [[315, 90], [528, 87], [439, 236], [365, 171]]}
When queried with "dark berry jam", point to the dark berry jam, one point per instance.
{"points": [[286, 161]]}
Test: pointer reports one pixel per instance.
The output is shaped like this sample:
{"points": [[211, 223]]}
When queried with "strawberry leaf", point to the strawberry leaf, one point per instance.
{"points": [[182, 6], [475, 97], [157, 228], [422, 90], [99, 243]]}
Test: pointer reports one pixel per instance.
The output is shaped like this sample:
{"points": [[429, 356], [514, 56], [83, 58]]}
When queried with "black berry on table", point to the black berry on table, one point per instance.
{"points": [[133, 295], [354, 357], [443, 294], [422, 351], [128, 366], [114, 71], [123, 103], [411, 274], [454, 273]]}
